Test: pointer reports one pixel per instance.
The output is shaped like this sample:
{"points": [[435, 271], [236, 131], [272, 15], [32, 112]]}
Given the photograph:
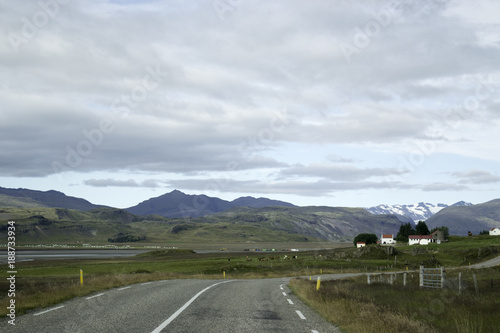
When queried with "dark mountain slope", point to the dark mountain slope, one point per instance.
{"points": [[461, 219], [24, 198], [328, 223], [179, 204]]}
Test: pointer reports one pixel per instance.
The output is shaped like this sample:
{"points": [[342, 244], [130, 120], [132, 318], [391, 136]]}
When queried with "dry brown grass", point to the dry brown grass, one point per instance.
{"points": [[353, 314], [356, 306]]}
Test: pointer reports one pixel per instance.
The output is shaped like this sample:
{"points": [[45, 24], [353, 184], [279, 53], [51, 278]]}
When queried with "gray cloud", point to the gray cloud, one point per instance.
{"points": [[200, 94], [295, 187], [338, 172], [437, 187], [150, 183], [476, 177]]}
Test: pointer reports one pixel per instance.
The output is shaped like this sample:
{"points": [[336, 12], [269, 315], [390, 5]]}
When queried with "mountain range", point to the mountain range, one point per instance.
{"points": [[417, 212], [179, 204], [197, 216]]}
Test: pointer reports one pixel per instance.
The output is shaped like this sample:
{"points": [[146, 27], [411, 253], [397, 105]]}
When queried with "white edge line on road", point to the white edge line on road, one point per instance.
{"points": [[314, 331], [182, 308], [300, 314], [124, 288], [284, 293], [94, 296], [290, 301], [39, 313], [145, 283]]}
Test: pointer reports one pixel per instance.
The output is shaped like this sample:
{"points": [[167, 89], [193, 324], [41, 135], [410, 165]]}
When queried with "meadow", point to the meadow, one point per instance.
{"points": [[43, 283]]}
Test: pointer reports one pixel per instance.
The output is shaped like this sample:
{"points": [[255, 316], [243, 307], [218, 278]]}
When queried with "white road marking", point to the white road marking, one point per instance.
{"points": [[145, 283], [314, 331], [94, 296], [39, 313], [124, 288], [284, 293], [289, 301], [300, 314], [281, 286], [182, 308]]}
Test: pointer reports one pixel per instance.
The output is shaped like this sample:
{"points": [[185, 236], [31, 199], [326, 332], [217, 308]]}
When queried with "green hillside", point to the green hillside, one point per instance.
{"points": [[239, 225]]}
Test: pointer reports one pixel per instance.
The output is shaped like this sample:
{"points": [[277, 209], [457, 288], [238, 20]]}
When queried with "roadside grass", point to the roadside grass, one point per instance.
{"points": [[355, 306], [47, 282]]}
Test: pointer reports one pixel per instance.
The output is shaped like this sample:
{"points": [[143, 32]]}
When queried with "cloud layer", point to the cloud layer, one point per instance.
{"points": [[197, 91]]}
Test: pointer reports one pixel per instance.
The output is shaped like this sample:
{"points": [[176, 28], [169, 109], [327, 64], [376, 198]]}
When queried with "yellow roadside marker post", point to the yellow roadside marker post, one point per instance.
{"points": [[318, 283], [81, 277]]}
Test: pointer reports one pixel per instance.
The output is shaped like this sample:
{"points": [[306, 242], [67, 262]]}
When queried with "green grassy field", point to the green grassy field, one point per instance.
{"points": [[46, 282]]}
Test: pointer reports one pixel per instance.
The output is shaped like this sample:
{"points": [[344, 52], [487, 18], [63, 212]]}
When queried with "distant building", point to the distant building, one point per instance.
{"points": [[419, 239], [495, 232], [436, 237], [360, 244], [387, 239]]}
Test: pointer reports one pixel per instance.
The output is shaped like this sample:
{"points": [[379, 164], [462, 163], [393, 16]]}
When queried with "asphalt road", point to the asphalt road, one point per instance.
{"points": [[180, 306]]}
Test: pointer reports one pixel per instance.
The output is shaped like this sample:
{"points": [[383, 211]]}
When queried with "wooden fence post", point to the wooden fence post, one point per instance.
{"points": [[421, 276], [443, 278], [459, 283], [475, 283], [404, 279]]}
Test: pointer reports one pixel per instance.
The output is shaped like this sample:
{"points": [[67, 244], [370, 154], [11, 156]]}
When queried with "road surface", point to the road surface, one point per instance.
{"points": [[180, 306]]}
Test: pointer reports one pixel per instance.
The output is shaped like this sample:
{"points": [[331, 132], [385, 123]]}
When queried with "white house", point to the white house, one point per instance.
{"points": [[387, 239], [360, 244], [419, 239], [495, 232]]}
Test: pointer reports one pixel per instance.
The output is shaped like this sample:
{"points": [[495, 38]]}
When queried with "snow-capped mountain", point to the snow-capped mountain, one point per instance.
{"points": [[418, 212]]}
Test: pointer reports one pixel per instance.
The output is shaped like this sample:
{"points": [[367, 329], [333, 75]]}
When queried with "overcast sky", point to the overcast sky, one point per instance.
{"points": [[318, 102]]}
